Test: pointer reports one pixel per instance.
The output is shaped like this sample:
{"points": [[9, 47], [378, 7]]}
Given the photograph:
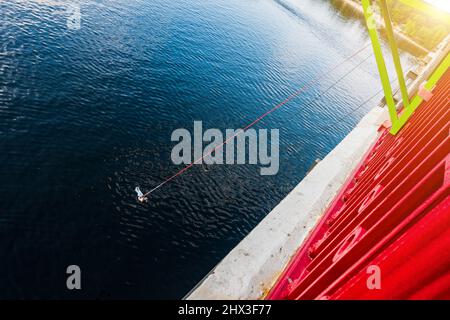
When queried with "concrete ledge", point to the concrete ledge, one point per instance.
{"points": [[252, 267]]}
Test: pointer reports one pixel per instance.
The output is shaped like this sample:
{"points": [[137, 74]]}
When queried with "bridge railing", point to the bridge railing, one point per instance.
{"points": [[408, 105]]}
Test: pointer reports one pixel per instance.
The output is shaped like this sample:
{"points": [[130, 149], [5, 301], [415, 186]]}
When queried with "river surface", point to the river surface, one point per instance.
{"points": [[86, 115]]}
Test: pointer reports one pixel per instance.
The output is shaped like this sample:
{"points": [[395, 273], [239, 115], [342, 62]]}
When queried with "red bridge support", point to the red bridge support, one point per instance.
{"points": [[387, 233]]}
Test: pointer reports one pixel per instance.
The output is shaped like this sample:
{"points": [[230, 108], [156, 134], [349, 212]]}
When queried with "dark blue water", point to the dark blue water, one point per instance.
{"points": [[86, 115]]}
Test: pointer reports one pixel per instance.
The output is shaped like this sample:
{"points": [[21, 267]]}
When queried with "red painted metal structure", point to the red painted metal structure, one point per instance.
{"points": [[392, 213]]}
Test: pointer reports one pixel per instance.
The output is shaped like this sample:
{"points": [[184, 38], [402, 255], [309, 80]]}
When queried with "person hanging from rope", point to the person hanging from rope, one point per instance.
{"points": [[141, 197]]}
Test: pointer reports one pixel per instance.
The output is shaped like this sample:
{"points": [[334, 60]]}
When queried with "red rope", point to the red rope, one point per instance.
{"points": [[292, 96]]}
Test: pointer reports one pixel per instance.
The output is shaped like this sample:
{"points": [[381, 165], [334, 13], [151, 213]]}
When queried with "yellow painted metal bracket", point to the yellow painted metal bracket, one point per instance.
{"points": [[417, 100]]}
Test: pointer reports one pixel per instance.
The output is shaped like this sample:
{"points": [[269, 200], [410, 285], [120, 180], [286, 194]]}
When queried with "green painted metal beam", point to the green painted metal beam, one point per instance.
{"points": [[398, 121], [394, 52], [382, 70]]}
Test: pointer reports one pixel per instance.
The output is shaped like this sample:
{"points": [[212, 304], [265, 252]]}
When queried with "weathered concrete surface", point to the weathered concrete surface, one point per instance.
{"points": [[252, 267]]}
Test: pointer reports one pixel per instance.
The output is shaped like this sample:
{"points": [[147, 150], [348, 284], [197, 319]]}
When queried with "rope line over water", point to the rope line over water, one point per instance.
{"points": [[322, 93], [295, 94]]}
